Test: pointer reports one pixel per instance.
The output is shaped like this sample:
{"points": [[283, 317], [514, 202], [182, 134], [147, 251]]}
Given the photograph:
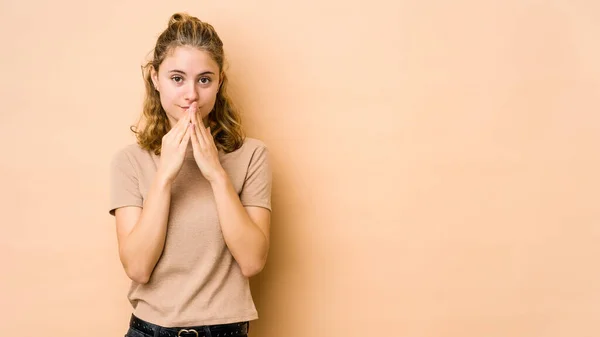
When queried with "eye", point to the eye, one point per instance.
{"points": [[205, 80], [177, 79]]}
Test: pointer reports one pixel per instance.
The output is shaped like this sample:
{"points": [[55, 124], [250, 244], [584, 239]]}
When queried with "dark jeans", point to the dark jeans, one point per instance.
{"points": [[141, 328]]}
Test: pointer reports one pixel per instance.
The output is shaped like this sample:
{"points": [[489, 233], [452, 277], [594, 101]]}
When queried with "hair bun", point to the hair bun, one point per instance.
{"points": [[179, 17]]}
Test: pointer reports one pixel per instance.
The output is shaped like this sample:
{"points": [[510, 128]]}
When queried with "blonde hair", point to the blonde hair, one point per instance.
{"points": [[224, 120]]}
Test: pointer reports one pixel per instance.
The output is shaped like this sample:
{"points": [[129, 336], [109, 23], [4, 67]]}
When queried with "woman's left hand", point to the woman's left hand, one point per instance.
{"points": [[205, 151]]}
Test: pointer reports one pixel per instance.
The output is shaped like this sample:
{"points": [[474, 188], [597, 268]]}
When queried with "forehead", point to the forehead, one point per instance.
{"points": [[190, 60]]}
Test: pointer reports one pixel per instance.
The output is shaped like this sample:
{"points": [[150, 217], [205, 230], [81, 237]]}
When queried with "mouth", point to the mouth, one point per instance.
{"points": [[186, 108]]}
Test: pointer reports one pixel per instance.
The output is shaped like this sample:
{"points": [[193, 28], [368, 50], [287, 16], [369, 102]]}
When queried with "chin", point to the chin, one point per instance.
{"points": [[174, 118]]}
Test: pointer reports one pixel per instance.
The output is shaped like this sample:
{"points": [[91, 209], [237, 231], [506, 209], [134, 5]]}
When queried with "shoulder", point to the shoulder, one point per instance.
{"points": [[129, 154], [253, 144], [252, 149], [248, 148], [252, 153], [256, 154]]}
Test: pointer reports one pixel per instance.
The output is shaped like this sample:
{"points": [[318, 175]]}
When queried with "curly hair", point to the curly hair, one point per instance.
{"points": [[224, 120]]}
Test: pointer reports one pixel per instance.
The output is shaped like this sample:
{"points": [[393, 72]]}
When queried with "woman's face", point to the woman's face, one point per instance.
{"points": [[187, 75]]}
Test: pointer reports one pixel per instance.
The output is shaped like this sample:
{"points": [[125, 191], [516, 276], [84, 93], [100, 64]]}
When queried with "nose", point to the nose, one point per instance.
{"points": [[191, 92]]}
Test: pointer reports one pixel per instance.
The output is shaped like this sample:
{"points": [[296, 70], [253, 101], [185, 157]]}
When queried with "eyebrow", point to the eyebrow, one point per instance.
{"points": [[183, 72]]}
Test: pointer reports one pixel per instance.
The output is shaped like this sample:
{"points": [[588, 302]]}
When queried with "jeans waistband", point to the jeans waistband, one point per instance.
{"points": [[218, 330]]}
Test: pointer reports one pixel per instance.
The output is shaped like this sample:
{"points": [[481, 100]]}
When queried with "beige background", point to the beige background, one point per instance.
{"points": [[435, 162]]}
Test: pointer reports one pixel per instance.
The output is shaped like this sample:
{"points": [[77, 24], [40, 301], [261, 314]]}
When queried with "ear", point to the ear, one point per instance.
{"points": [[154, 77], [221, 75]]}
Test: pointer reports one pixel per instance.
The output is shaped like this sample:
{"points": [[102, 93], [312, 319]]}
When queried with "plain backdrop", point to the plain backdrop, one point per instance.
{"points": [[435, 162]]}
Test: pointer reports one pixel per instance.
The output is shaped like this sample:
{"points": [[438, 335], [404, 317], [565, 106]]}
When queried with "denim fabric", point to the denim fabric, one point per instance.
{"points": [[140, 328]]}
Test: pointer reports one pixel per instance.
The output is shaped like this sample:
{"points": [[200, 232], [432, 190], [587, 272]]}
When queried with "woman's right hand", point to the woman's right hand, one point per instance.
{"points": [[174, 145]]}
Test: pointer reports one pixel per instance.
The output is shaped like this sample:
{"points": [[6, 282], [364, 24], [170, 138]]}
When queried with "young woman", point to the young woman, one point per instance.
{"points": [[192, 197]]}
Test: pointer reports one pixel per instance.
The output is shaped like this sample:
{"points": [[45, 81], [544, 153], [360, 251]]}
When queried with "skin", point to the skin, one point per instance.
{"points": [[188, 81], [187, 75]]}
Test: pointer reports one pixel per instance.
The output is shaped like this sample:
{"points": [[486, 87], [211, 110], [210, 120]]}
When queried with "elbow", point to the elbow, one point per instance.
{"points": [[137, 273], [252, 268], [138, 276], [134, 268], [141, 278]]}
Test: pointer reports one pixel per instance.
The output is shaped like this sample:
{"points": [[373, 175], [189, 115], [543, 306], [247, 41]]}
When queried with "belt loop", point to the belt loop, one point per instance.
{"points": [[157, 331], [207, 331]]}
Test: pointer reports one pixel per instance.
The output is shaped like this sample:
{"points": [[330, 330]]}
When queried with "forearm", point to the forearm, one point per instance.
{"points": [[245, 240], [144, 244]]}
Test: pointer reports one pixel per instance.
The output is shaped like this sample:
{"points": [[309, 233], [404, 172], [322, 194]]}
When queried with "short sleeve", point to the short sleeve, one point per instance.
{"points": [[123, 183], [256, 190]]}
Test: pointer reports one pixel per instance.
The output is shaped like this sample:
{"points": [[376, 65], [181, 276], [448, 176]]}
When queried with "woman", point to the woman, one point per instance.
{"points": [[192, 197]]}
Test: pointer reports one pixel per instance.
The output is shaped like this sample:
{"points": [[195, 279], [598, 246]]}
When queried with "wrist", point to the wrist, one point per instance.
{"points": [[163, 180], [219, 178]]}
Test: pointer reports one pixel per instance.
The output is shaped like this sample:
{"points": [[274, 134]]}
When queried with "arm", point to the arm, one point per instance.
{"points": [[141, 232], [245, 229]]}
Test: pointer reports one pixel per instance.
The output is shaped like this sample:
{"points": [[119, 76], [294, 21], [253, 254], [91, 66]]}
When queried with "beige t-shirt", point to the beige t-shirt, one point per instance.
{"points": [[196, 280]]}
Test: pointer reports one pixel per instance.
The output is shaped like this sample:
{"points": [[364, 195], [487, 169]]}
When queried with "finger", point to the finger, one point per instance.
{"points": [[206, 136], [185, 119], [177, 131], [186, 138], [196, 115], [182, 128], [180, 125], [203, 132], [211, 139], [193, 109], [194, 139], [200, 137]]}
